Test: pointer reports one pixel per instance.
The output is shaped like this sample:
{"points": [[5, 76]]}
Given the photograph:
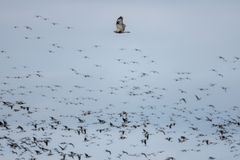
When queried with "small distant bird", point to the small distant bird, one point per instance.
{"points": [[182, 91], [182, 139], [120, 25], [183, 99], [87, 156], [79, 156], [108, 151], [168, 138], [54, 23], [220, 57], [20, 127], [27, 27], [198, 98], [170, 158], [236, 59], [224, 88], [69, 27], [144, 154], [144, 141], [137, 50]]}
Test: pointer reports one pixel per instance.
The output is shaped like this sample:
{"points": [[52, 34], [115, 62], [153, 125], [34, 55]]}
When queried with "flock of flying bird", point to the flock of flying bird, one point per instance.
{"points": [[128, 119]]}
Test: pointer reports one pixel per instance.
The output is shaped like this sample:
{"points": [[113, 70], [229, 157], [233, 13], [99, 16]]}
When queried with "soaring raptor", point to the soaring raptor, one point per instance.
{"points": [[120, 25]]}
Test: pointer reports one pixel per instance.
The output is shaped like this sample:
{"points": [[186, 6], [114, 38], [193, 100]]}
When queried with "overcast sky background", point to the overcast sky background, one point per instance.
{"points": [[179, 36]]}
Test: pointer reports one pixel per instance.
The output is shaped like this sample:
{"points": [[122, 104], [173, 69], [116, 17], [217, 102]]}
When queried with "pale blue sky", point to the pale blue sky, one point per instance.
{"points": [[173, 36]]}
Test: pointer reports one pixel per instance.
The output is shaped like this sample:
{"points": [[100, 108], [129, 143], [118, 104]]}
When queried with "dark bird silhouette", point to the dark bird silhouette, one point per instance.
{"points": [[79, 156], [108, 151], [183, 99], [197, 97], [222, 58], [21, 128], [144, 154], [87, 156]]}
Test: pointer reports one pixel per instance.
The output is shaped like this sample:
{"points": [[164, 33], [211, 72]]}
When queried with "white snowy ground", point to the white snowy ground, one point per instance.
{"points": [[70, 88]]}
